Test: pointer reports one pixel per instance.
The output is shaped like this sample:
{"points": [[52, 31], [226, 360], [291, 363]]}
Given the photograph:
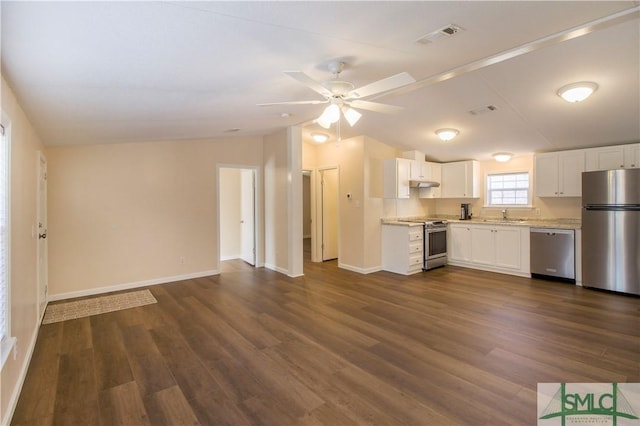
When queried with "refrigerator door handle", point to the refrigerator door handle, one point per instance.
{"points": [[613, 208]]}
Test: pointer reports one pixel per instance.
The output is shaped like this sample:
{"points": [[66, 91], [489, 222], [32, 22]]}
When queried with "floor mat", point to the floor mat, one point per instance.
{"points": [[97, 305]]}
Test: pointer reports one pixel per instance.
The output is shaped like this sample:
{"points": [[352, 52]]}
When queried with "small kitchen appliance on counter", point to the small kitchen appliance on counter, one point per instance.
{"points": [[465, 211]]}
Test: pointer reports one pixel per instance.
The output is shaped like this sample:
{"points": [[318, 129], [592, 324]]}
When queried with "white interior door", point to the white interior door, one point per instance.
{"points": [[42, 273], [247, 219], [329, 185]]}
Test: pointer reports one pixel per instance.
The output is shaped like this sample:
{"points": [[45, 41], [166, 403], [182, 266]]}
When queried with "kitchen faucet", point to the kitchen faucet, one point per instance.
{"points": [[504, 214]]}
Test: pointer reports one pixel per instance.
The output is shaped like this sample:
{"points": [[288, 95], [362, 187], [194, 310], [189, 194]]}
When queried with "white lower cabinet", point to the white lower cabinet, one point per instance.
{"points": [[402, 249], [490, 247], [459, 241]]}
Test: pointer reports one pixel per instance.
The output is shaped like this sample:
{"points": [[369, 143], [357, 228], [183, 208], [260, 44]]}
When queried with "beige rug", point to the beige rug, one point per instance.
{"points": [[97, 305]]}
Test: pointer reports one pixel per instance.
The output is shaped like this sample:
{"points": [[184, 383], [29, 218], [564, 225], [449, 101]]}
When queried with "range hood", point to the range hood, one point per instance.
{"points": [[419, 183]]}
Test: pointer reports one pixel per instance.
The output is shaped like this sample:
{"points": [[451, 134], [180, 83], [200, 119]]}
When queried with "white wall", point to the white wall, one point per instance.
{"points": [[275, 205], [25, 144], [230, 215], [124, 214]]}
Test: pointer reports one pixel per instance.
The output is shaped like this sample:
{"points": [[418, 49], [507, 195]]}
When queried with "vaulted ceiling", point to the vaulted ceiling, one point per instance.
{"points": [[103, 72]]}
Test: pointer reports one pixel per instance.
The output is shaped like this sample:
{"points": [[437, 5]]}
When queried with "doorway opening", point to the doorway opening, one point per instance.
{"points": [[237, 215], [328, 213]]}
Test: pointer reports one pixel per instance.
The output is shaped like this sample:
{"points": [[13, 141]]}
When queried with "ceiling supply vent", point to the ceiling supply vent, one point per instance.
{"points": [[439, 34], [483, 110]]}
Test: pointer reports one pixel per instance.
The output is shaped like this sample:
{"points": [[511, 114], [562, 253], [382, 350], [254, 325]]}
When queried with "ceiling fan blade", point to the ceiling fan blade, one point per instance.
{"points": [[295, 103], [309, 82], [383, 85], [376, 107]]}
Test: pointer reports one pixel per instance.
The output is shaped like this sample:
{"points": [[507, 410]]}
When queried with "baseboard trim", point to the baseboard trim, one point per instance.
{"points": [[359, 270], [488, 269], [13, 402], [118, 287], [276, 268], [231, 257]]}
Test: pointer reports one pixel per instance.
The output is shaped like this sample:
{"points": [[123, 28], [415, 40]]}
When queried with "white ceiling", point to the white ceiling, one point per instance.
{"points": [[102, 72]]}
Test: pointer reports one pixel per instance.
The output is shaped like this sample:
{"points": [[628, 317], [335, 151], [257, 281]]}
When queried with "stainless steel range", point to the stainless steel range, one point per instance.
{"points": [[435, 243]]}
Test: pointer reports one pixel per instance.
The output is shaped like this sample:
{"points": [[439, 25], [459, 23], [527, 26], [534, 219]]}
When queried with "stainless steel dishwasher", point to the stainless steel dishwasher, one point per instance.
{"points": [[553, 254]]}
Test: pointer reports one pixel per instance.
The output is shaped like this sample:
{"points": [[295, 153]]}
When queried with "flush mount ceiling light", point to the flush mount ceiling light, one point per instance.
{"points": [[319, 137], [502, 157], [447, 134], [577, 92]]}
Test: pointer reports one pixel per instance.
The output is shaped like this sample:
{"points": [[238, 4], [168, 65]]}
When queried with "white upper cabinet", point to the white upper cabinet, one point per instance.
{"points": [[397, 172], [632, 156], [419, 170], [613, 157], [460, 179], [432, 172], [559, 174]]}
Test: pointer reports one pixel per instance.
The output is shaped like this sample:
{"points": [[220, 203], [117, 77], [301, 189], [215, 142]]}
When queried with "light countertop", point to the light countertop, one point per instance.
{"points": [[531, 223]]}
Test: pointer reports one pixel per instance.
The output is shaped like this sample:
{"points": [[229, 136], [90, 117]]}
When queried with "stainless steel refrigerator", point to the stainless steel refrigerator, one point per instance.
{"points": [[611, 230]]}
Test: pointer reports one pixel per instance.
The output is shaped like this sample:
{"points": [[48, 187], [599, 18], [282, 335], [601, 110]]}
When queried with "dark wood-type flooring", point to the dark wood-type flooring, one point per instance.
{"points": [[252, 346]]}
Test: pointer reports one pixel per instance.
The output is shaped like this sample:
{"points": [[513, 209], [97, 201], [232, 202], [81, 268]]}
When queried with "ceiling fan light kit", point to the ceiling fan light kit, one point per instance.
{"points": [[447, 134], [331, 114], [343, 97], [351, 115], [577, 92]]}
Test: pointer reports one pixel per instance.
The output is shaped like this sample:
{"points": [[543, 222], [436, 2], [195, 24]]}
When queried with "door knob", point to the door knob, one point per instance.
{"points": [[42, 236]]}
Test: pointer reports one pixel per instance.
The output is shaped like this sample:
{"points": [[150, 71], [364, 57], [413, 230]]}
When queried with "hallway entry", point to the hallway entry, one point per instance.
{"points": [[237, 214], [329, 213]]}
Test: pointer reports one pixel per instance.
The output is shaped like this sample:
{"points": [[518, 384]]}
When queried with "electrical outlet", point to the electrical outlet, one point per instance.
{"points": [[537, 212], [182, 260]]}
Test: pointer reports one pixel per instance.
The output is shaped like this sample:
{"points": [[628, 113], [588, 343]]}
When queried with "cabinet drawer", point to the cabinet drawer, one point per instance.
{"points": [[415, 261], [415, 235], [415, 248]]}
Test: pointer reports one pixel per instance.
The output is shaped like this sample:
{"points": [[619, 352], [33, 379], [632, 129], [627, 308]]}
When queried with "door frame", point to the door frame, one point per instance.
{"points": [[257, 216], [41, 210], [316, 212], [251, 197]]}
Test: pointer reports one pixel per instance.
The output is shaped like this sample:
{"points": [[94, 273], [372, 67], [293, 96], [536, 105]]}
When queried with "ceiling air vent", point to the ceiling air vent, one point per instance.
{"points": [[439, 34], [483, 110]]}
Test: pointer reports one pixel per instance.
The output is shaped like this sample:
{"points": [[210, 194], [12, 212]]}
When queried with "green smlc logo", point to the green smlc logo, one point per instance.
{"points": [[566, 404]]}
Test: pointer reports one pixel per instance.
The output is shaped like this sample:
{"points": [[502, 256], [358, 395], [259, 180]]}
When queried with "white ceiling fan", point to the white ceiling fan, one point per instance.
{"points": [[343, 97]]}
